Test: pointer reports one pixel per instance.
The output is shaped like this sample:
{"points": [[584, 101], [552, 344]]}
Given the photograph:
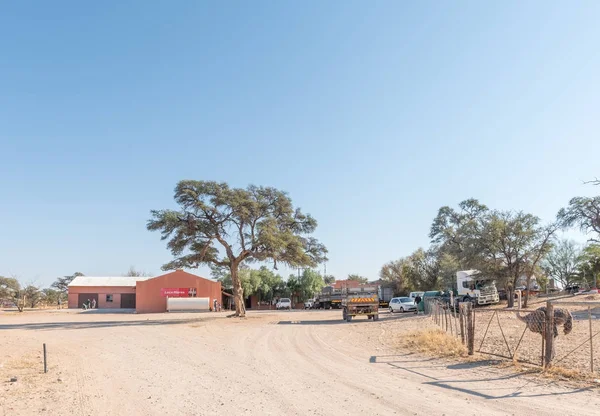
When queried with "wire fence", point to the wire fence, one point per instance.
{"points": [[560, 333]]}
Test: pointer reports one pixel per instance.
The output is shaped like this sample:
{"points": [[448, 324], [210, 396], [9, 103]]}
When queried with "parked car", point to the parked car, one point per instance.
{"points": [[284, 303], [404, 304], [309, 304]]}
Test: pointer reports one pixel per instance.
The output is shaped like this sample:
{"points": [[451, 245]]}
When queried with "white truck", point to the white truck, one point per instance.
{"points": [[471, 285]]}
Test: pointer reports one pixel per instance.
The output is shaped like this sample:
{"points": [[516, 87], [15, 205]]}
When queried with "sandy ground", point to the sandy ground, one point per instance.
{"points": [[291, 363]]}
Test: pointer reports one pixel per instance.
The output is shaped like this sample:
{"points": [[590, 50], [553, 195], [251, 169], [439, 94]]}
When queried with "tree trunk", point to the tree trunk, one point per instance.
{"points": [[527, 284], [238, 292], [510, 297]]}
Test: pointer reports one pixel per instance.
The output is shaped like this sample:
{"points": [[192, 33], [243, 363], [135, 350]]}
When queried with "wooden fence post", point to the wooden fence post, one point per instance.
{"points": [[549, 334], [461, 315], [470, 329], [591, 344]]}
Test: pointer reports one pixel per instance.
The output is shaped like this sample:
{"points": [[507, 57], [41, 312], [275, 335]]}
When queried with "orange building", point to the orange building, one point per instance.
{"points": [[144, 294]]}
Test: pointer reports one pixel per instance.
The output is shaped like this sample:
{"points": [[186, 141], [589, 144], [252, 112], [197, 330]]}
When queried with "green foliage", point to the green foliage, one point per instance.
{"points": [[358, 278], [589, 266], [9, 288], [50, 296], [422, 270], [62, 283], [225, 227], [501, 244], [33, 295], [310, 283], [329, 279], [563, 263]]}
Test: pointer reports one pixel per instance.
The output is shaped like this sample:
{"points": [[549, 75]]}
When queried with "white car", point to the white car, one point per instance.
{"points": [[284, 303], [404, 304], [309, 304]]}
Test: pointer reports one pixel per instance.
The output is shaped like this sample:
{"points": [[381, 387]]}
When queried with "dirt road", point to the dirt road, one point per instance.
{"points": [[292, 363]]}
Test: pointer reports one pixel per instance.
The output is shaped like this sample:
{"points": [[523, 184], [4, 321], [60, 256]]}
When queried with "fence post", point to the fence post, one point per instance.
{"points": [[591, 344], [549, 334], [446, 318], [45, 364], [470, 328], [461, 315]]}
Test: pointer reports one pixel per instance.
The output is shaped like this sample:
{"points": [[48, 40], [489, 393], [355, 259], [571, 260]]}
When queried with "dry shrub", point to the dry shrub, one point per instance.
{"points": [[435, 342]]}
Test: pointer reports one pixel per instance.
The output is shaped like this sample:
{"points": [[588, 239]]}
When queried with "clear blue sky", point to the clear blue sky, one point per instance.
{"points": [[371, 115]]}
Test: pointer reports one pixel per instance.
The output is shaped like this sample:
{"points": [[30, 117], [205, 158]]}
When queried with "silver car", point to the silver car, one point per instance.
{"points": [[403, 304]]}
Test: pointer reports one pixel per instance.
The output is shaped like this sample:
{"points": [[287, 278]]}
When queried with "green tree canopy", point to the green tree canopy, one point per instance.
{"points": [[226, 227], [589, 266], [310, 283], [501, 244], [563, 263], [50, 296]]}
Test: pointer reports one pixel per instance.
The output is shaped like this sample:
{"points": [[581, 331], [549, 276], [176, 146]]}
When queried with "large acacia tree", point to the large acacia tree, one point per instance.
{"points": [[226, 227], [502, 244]]}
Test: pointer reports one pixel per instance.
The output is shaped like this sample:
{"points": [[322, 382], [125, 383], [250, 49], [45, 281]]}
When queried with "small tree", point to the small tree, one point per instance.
{"points": [[252, 224], [50, 296], [329, 279], [33, 295], [310, 282], [563, 262], [358, 278], [589, 266], [10, 290]]}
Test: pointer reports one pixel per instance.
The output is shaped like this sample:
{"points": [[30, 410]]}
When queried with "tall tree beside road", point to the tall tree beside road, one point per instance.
{"points": [[501, 244], [252, 224], [563, 262]]}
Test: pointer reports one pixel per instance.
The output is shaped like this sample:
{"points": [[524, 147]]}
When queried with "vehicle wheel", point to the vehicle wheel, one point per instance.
{"points": [[376, 317], [391, 310], [401, 309], [344, 317], [349, 318]]}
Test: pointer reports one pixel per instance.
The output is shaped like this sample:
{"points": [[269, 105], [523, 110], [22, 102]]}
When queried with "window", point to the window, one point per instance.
{"points": [[109, 298], [467, 284]]}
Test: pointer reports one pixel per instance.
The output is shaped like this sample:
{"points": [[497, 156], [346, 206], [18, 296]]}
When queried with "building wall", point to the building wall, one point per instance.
{"points": [[102, 291], [149, 299]]}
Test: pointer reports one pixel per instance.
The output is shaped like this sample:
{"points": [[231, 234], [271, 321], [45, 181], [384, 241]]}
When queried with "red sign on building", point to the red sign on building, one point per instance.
{"points": [[177, 292]]}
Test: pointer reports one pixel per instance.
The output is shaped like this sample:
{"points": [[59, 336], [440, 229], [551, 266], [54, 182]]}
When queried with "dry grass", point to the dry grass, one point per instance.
{"points": [[434, 341]]}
